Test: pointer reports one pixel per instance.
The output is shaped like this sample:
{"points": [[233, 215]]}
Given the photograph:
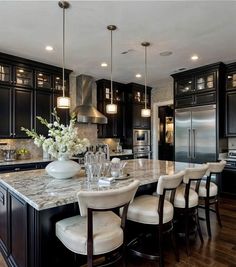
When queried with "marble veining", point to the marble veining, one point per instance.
{"points": [[41, 191]]}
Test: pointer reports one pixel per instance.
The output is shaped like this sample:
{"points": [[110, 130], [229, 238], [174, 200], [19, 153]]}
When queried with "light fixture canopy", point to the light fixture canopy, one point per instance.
{"points": [[145, 112], [63, 101], [111, 108]]}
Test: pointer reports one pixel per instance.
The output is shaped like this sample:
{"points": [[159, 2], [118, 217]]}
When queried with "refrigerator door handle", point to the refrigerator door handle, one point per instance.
{"points": [[194, 142], [189, 143]]}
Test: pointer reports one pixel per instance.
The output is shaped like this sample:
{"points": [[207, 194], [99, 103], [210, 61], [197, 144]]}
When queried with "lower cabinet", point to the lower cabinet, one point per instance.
{"points": [[228, 182], [3, 220]]}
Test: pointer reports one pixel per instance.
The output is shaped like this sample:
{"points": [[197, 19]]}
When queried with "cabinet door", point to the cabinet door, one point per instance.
{"points": [[231, 80], [5, 112], [230, 113], [23, 77], [5, 74], [228, 182], [204, 99], [186, 101], [43, 108], [206, 82], [3, 220], [18, 231], [184, 86], [22, 111], [138, 120], [43, 80]]}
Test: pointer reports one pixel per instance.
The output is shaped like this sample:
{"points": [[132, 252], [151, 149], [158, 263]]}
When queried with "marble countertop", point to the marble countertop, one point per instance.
{"points": [[42, 191], [118, 154]]}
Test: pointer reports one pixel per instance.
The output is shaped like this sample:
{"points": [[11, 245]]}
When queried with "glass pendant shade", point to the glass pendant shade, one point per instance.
{"points": [[146, 112], [63, 102], [111, 108]]}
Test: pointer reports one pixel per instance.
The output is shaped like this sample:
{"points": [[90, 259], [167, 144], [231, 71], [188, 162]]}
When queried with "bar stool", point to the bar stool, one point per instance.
{"points": [[186, 200], [98, 230], [155, 211], [208, 191]]}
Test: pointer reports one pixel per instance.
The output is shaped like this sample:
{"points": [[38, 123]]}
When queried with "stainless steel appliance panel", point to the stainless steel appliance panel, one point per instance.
{"points": [[203, 135], [183, 135], [141, 137]]}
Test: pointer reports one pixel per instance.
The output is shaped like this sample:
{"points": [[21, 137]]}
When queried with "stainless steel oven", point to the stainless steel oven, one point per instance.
{"points": [[142, 152], [141, 137]]}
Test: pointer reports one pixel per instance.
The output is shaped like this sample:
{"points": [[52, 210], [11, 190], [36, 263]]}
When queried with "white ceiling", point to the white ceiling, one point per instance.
{"points": [[185, 28]]}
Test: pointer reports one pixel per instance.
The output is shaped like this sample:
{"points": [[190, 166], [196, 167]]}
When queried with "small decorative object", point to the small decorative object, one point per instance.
{"points": [[23, 153], [62, 143]]}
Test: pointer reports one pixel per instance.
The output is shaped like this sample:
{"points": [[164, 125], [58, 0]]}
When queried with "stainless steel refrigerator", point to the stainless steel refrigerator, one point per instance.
{"points": [[195, 134]]}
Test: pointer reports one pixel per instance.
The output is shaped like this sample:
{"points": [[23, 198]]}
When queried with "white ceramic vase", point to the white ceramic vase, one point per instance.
{"points": [[63, 168]]}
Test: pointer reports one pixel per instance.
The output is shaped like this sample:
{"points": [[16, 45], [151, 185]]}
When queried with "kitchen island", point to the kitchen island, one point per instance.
{"points": [[32, 202]]}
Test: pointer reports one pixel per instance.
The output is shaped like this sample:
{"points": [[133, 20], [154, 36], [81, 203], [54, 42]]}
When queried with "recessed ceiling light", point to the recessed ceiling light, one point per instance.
{"points": [[166, 53], [103, 64], [49, 48], [138, 75], [194, 57]]}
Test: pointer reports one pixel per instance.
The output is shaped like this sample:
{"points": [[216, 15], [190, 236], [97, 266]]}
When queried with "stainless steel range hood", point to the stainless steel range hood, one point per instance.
{"points": [[85, 111]]}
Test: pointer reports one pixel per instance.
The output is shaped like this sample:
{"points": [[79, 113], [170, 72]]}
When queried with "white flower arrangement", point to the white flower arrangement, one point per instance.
{"points": [[62, 140]]}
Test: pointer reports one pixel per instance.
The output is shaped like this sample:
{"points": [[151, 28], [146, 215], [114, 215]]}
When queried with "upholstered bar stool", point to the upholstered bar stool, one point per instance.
{"points": [[208, 191], [97, 230], [157, 212], [186, 200]]}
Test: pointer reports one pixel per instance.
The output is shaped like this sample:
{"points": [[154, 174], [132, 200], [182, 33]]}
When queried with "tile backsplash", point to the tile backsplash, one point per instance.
{"points": [[232, 143]]}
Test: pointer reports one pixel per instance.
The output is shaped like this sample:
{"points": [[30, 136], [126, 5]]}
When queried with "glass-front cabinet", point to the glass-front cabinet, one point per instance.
{"points": [[23, 77], [231, 81], [205, 82], [184, 86], [57, 83], [43, 80], [5, 73]]}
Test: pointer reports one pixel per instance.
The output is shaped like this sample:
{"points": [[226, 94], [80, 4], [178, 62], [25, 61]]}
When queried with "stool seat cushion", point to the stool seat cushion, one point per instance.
{"points": [[107, 233], [143, 209], [203, 192], [179, 201]]}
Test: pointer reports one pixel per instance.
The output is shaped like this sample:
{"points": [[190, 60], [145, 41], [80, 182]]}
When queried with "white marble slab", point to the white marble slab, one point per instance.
{"points": [[42, 191]]}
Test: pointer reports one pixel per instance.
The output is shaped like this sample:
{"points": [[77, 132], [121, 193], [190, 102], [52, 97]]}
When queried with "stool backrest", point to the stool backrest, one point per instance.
{"points": [[195, 173], [169, 182], [107, 199], [215, 167]]}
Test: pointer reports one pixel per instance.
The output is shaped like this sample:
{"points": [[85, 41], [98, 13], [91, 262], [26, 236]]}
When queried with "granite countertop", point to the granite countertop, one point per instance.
{"points": [[113, 154], [41, 191]]}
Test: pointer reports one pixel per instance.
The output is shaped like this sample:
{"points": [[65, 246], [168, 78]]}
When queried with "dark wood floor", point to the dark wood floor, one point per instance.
{"points": [[220, 251]]}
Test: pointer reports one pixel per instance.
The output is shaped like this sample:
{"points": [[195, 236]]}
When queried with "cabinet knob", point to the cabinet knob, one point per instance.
{"points": [[17, 169]]}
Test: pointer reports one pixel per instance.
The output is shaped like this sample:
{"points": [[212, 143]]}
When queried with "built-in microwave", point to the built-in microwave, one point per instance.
{"points": [[141, 137]]}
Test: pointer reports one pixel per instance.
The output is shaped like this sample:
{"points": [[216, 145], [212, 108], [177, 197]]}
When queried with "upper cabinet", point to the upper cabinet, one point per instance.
{"points": [[199, 86], [230, 100], [28, 89], [115, 128]]}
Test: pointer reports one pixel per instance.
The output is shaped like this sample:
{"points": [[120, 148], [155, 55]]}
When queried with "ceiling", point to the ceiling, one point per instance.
{"points": [[185, 28]]}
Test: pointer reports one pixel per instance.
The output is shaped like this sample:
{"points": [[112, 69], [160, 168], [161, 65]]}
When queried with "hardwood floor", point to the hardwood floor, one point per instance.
{"points": [[220, 251]]}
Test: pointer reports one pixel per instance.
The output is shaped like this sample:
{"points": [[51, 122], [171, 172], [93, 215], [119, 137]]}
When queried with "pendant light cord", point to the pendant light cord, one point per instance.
{"points": [[145, 78], [63, 54], [111, 70]]}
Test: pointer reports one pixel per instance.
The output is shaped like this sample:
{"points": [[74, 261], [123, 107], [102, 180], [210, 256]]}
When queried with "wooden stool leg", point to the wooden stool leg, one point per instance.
{"points": [[187, 232], [198, 226], [174, 245], [218, 213], [161, 258], [207, 212]]}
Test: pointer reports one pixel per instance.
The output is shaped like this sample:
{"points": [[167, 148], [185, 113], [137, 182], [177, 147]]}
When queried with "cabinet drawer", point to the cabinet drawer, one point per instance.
{"points": [[184, 101]]}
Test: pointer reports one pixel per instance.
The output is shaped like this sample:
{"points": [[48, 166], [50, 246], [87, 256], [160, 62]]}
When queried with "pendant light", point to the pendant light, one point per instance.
{"points": [[145, 112], [111, 108], [63, 101]]}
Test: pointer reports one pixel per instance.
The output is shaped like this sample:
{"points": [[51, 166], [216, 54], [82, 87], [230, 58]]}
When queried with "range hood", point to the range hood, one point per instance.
{"points": [[85, 92]]}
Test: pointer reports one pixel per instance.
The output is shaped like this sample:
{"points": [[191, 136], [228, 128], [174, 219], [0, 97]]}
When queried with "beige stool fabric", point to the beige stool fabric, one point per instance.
{"points": [[144, 209], [107, 231]]}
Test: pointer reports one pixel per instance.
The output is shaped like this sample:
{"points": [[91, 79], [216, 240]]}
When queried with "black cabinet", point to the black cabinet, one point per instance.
{"points": [[230, 100], [28, 89], [43, 108], [115, 128], [200, 86], [18, 231], [138, 121], [16, 109], [228, 182], [3, 220]]}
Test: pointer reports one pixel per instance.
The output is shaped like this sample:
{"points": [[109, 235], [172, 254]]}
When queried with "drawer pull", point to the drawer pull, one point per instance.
{"points": [[17, 169]]}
